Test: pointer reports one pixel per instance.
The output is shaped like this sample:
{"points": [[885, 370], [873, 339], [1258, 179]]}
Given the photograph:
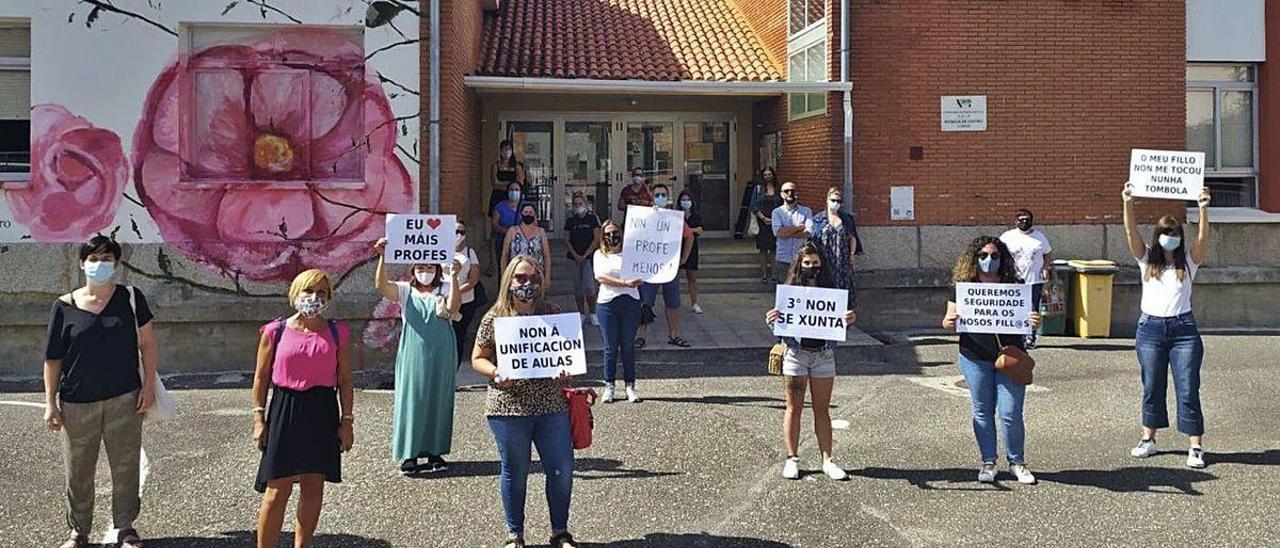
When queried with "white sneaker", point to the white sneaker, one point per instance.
{"points": [[1023, 474], [834, 471], [697, 308], [1145, 449], [988, 473], [791, 468], [608, 394], [632, 395], [1195, 457], [594, 320]]}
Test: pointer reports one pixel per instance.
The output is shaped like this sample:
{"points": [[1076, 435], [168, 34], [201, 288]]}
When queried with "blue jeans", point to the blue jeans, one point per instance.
{"points": [[550, 433], [619, 321], [992, 392], [1162, 342], [1037, 295]]}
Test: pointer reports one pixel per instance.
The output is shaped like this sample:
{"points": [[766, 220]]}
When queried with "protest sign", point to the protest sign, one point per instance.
{"points": [[420, 239], [1165, 174], [651, 244], [993, 308], [538, 347], [811, 312]]}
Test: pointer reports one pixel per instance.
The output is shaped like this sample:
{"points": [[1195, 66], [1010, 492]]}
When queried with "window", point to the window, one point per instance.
{"points": [[1222, 118], [808, 65], [15, 101], [805, 13], [281, 111]]}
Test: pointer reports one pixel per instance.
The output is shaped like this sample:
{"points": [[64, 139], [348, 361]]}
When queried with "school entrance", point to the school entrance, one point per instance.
{"points": [[593, 153]]}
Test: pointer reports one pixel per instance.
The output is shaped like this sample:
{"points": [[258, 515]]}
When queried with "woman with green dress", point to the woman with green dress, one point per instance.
{"points": [[426, 363]]}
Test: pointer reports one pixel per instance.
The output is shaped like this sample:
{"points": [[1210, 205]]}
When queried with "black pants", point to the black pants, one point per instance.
{"points": [[468, 312]]}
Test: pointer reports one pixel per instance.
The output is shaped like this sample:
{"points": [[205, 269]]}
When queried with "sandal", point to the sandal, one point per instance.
{"points": [[128, 538], [640, 342], [679, 341], [516, 542], [76, 541], [563, 540]]}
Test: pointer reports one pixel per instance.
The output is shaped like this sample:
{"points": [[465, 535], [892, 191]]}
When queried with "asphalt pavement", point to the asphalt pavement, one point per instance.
{"points": [[698, 463]]}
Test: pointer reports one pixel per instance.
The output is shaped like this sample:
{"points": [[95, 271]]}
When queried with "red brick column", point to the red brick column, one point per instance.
{"points": [[1269, 114]]}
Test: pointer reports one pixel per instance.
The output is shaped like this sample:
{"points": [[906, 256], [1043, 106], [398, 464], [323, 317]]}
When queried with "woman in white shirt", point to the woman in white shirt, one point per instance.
{"points": [[618, 309], [468, 278], [1167, 336]]}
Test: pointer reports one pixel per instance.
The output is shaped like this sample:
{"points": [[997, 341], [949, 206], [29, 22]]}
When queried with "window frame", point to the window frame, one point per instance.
{"points": [[809, 111], [810, 25], [18, 180], [187, 110], [1217, 88]]}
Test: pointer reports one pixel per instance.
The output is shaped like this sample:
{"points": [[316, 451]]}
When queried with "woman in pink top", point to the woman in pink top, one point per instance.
{"points": [[308, 360]]}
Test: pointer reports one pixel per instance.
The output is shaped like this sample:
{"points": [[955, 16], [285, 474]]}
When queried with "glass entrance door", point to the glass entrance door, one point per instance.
{"points": [[535, 146], [706, 169], [651, 146], [587, 166]]}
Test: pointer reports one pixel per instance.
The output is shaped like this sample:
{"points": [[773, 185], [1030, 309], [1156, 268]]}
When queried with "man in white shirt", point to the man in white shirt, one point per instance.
{"points": [[791, 225], [1032, 257]]}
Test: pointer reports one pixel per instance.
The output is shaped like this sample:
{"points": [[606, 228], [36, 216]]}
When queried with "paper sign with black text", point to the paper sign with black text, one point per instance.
{"points": [[811, 312], [651, 244], [993, 308], [420, 239], [1165, 174], [538, 347]]}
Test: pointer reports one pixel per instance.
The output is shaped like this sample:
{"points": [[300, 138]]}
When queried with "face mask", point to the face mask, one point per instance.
{"points": [[424, 278], [1023, 224], [833, 206], [686, 204], [660, 200], [527, 219], [513, 195], [637, 180], [506, 154], [580, 211], [310, 305], [1170, 243], [99, 272], [525, 292], [989, 264], [612, 240], [809, 272], [462, 241]]}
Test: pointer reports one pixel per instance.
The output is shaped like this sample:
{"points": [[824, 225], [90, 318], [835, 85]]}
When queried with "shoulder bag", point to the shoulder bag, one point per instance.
{"points": [[1015, 363], [163, 405], [775, 358]]}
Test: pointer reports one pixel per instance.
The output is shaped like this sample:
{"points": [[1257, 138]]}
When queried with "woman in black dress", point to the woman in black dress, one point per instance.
{"points": [[766, 242]]}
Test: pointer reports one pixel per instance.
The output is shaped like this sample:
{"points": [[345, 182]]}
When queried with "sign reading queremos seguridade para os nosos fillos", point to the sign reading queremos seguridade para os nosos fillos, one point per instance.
{"points": [[993, 308]]}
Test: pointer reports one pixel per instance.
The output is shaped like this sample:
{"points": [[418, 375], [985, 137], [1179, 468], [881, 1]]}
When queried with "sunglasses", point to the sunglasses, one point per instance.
{"points": [[788, 191], [841, 202], [613, 233], [460, 232], [985, 255], [526, 278], [659, 195]]}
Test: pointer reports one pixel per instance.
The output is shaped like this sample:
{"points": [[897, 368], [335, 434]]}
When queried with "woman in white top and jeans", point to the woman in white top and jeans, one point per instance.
{"points": [[468, 278], [1167, 334], [618, 308]]}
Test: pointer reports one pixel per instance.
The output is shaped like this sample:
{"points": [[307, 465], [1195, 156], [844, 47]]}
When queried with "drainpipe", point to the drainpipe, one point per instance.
{"points": [[848, 105], [433, 83]]}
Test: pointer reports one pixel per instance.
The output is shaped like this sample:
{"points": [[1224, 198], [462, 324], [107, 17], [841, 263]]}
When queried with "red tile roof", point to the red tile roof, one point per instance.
{"points": [[624, 40]]}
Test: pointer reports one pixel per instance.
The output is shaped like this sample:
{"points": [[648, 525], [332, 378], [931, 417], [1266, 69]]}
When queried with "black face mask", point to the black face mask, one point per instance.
{"points": [[809, 273], [1024, 223], [527, 219], [612, 239]]}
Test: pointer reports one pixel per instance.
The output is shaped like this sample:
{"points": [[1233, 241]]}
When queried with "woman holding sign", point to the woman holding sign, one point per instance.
{"points": [[618, 306], [426, 363], [988, 261], [1167, 335], [526, 412], [811, 363]]}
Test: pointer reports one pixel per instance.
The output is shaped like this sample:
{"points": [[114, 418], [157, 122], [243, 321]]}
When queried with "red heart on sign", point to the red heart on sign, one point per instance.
{"points": [[433, 223]]}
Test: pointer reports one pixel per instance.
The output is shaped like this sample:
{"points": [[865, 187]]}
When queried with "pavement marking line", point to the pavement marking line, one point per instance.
{"points": [[883, 518], [23, 404], [951, 385]]}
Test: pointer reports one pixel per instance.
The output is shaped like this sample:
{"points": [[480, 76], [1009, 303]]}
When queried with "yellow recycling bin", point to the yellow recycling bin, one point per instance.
{"points": [[1091, 300]]}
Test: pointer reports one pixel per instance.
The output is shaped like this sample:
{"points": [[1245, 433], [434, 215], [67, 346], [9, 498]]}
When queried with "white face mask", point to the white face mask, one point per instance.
{"points": [[636, 179], [580, 211], [833, 206], [424, 278]]}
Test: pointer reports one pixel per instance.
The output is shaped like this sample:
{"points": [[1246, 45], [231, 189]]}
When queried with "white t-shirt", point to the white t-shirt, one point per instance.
{"points": [[466, 259], [1028, 253], [406, 291], [610, 264], [1166, 297]]}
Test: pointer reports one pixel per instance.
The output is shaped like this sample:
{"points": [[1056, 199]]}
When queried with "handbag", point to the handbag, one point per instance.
{"points": [[1014, 363], [753, 226], [581, 421], [775, 358], [163, 405]]}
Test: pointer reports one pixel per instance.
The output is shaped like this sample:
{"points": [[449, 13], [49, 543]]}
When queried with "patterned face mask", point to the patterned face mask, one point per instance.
{"points": [[525, 292], [310, 305]]}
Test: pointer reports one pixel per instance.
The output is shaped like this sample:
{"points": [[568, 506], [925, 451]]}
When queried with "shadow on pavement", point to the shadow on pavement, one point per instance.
{"points": [[1132, 479], [583, 469], [232, 539], [953, 479], [734, 401], [691, 540], [1270, 457], [1091, 347]]}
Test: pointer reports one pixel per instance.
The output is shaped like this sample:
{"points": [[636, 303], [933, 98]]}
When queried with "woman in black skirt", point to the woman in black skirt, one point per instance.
{"points": [[766, 242], [306, 359]]}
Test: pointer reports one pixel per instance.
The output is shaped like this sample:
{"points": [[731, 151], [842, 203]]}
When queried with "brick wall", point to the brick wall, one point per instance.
{"points": [[1070, 86], [461, 178], [811, 153]]}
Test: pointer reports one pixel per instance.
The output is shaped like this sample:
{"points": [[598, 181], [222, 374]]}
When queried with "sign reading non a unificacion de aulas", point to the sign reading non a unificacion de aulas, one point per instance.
{"points": [[1166, 174], [537, 347]]}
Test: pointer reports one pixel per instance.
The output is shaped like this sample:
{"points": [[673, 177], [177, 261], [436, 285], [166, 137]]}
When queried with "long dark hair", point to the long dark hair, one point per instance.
{"points": [[1155, 253], [765, 183], [966, 269], [824, 274], [507, 143]]}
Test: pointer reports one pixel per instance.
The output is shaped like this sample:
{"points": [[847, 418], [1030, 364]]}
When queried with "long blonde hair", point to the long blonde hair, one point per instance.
{"points": [[603, 248], [503, 305]]}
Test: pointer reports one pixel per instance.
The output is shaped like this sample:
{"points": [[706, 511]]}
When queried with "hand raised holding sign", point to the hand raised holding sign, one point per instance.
{"points": [[1127, 194], [1204, 199]]}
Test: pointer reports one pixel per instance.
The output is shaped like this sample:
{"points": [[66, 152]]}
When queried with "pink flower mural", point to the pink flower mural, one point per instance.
{"points": [[269, 156], [382, 332], [78, 174]]}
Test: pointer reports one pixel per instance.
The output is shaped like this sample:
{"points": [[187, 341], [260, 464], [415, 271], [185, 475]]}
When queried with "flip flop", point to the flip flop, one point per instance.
{"points": [[678, 341], [640, 342]]}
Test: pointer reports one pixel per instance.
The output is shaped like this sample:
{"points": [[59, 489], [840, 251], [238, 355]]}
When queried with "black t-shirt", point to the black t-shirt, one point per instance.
{"points": [[99, 352], [582, 231], [985, 347]]}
